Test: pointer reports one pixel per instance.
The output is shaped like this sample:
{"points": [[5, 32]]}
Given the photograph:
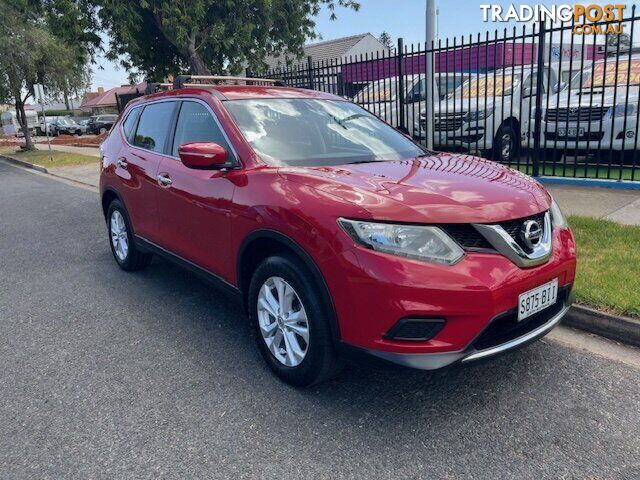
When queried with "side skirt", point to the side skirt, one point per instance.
{"points": [[205, 275]]}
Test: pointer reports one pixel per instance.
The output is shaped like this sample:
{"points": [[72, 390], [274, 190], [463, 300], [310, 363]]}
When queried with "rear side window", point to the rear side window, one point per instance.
{"points": [[153, 127], [130, 122], [196, 124]]}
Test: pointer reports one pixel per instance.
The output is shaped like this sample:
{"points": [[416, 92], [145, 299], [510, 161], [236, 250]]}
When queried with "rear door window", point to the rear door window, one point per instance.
{"points": [[153, 127]]}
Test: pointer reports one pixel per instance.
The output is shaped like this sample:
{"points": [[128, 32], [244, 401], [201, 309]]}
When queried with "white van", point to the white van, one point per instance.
{"points": [[598, 111], [11, 126], [380, 97], [491, 113]]}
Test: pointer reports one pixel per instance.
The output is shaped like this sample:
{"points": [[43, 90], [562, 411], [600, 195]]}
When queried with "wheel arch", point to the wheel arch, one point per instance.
{"points": [[514, 122], [108, 196], [263, 243]]}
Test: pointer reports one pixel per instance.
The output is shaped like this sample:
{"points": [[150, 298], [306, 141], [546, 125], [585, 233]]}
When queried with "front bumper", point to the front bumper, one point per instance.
{"points": [[472, 354], [608, 134], [372, 292], [470, 136]]}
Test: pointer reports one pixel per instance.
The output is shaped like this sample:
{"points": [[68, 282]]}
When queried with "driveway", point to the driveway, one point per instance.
{"points": [[106, 374]]}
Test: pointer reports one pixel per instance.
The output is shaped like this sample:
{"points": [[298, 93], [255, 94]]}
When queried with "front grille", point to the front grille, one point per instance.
{"points": [[446, 121], [467, 237], [514, 227], [505, 327], [574, 114]]}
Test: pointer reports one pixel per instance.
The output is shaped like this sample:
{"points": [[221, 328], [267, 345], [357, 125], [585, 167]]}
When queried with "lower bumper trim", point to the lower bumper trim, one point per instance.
{"points": [[434, 361]]}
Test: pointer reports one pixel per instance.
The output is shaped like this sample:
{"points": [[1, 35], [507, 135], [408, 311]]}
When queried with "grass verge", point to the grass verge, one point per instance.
{"points": [[608, 264], [41, 157]]}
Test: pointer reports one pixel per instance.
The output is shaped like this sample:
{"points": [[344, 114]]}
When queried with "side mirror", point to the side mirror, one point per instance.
{"points": [[202, 155]]}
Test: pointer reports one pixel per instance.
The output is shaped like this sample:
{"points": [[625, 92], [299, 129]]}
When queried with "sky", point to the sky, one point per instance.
{"points": [[399, 18]]}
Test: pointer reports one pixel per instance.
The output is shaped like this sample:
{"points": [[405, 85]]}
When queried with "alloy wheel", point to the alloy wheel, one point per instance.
{"points": [[283, 321], [505, 147], [119, 238]]}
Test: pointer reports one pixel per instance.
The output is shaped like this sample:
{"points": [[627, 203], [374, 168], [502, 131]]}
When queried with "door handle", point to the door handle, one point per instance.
{"points": [[122, 163], [164, 179]]}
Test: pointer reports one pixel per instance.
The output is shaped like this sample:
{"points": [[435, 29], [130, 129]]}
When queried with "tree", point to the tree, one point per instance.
{"points": [[31, 53], [162, 37], [385, 39], [28, 55], [75, 23]]}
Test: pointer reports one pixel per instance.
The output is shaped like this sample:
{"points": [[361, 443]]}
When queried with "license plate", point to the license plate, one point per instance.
{"points": [[536, 300], [570, 132]]}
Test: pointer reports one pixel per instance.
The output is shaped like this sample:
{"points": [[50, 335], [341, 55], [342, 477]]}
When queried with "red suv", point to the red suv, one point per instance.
{"points": [[338, 233]]}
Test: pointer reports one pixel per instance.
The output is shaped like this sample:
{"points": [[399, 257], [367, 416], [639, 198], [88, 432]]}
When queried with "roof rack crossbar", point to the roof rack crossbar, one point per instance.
{"points": [[182, 81]]}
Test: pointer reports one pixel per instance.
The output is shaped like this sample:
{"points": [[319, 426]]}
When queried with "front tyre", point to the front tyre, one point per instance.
{"points": [[289, 323], [505, 144], [128, 257]]}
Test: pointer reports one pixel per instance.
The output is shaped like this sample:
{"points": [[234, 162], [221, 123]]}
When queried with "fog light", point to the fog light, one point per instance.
{"points": [[415, 329], [630, 134]]}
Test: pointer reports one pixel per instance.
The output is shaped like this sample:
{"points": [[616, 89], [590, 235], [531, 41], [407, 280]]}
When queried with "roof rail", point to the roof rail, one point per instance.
{"points": [[184, 81]]}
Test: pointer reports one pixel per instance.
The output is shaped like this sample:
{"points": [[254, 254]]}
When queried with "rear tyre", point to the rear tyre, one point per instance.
{"points": [[289, 323], [505, 144], [102, 130], [128, 257]]}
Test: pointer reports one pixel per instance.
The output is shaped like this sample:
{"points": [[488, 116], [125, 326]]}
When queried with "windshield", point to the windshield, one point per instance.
{"points": [[488, 85], [622, 75], [379, 91], [305, 132]]}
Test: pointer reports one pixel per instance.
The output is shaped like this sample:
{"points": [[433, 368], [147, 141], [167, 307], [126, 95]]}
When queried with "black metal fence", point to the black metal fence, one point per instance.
{"points": [[549, 101]]}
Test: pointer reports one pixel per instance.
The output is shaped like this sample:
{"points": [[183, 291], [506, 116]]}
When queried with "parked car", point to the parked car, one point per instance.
{"points": [[84, 125], [11, 126], [492, 112], [101, 124], [338, 233], [67, 126], [597, 112], [380, 97], [47, 125]]}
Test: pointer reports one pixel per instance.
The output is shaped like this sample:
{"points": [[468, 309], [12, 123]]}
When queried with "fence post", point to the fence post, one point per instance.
{"points": [[400, 86], [340, 84], [539, 87], [310, 71]]}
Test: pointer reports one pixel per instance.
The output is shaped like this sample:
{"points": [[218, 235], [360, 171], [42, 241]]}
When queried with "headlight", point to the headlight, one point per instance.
{"points": [[619, 110], [429, 244], [557, 217], [478, 115]]}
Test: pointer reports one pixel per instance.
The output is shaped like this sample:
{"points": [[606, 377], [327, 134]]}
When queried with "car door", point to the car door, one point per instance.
{"points": [[146, 130], [194, 205]]}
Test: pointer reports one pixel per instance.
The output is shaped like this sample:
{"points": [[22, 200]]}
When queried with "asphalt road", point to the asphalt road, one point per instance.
{"points": [[152, 375]]}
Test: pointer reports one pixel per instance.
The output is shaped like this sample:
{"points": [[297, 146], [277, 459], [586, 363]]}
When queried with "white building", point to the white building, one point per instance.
{"points": [[326, 57]]}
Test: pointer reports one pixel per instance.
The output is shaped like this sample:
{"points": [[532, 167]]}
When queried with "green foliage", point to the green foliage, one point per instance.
{"points": [[385, 39], [162, 37], [46, 42], [59, 113]]}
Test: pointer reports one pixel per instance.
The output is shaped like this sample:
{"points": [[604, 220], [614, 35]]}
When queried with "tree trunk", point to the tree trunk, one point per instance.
{"points": [[196, 65], [66, 98], [24, 126]]}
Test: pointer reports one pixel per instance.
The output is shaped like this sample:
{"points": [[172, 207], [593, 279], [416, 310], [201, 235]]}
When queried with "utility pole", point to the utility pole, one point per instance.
{"points": [[38, 90], [430, 36]]}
